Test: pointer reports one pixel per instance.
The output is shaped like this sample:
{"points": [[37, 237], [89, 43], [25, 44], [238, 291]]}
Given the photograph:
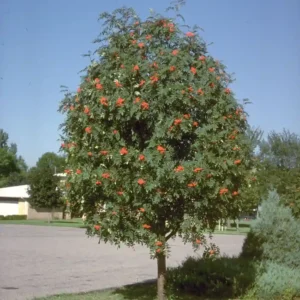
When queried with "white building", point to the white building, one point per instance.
{"points": [[14, 201]]}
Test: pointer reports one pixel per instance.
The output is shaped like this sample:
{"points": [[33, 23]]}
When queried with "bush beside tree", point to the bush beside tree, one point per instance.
{"points": [[275, 236], [275, 282], [268, 267], [228, 277], [274, 242]]}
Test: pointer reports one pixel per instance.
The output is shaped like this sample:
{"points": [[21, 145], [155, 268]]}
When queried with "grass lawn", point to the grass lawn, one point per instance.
{"points": [[242, 230], [76, 223], [132, 292]]}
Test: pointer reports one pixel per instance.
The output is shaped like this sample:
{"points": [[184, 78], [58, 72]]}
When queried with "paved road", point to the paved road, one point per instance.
{"points": [[38, 261]]}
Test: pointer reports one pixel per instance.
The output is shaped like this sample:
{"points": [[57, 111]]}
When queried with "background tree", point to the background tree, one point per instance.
{"points": [[53, 161], [44, 188], [280, 158], [8, 163], [156, 143], [252, 195], [13, 169], [3, 139]]}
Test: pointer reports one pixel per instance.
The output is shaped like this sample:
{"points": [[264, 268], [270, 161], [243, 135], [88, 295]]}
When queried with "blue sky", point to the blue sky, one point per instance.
{"points": [[41, 43]]}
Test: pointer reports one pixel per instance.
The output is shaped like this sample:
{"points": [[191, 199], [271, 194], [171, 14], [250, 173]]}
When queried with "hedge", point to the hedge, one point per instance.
{"points": [[13, 217]]}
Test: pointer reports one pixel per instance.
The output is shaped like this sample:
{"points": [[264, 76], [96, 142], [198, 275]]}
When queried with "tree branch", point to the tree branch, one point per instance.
{"points": [[172, 233]]}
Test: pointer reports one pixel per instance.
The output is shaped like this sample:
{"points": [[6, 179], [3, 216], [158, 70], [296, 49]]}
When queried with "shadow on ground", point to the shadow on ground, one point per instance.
{"points": [[145, 290]]}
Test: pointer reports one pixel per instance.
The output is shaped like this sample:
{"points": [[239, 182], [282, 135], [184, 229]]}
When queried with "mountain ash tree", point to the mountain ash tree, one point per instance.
{"points": [[154, 137]]}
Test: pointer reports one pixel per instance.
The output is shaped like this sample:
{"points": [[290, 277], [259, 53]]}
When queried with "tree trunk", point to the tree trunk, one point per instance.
{"points": [[52, 214], [228, 223], [161, 277]]}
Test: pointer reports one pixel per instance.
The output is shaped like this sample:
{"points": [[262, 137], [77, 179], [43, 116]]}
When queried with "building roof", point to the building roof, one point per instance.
{"points": [[19, 191]]}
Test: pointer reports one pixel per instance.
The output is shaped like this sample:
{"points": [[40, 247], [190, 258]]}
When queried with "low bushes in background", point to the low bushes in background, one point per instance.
{"points": [[241, 225], [13, 217]]}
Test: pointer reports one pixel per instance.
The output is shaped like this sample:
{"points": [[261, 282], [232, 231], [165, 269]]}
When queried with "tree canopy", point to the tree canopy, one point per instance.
{"points": [[8, 163], [12, 167], [281, 150], [3, 139], [53, 161], [155, 140], [45, 190], [280, 158]]}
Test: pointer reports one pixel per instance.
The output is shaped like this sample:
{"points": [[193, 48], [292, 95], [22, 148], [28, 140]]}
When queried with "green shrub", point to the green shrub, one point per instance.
{"points": [[276, 282], [252, 247], [275, 236], [13, 217], [226, 277]]}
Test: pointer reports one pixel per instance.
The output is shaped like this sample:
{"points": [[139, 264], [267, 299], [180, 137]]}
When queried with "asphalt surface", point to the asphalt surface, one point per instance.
{"points": [[39, 261]]}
